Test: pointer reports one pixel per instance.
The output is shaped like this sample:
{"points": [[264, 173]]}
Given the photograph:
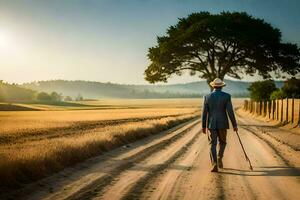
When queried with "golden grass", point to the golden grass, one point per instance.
{"points": [[34, 144]]}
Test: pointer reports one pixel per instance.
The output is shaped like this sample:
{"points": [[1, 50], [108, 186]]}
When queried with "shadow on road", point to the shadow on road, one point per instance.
{"points": [[263, 171], [151, 167]]}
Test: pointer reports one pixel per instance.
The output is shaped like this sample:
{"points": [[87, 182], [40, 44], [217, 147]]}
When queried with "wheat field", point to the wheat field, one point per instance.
{"points": [[34, 144]]}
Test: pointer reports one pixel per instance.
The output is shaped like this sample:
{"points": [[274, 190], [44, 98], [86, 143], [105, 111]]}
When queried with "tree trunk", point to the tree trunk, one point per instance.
{"points": [[208, 83]]}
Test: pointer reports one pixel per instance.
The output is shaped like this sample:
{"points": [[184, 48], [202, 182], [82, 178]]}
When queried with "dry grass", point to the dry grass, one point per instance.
{"points": [[34, 144]]}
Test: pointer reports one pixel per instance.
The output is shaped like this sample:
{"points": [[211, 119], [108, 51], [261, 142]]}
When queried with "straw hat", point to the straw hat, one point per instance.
{"points": [[217, 83]]}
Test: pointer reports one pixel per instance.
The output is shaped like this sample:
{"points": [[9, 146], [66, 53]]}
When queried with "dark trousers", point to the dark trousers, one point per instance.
{"points": [[215, 135]]}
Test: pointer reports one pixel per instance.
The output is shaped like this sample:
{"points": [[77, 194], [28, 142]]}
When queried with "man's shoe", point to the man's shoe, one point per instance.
{"points": [[214, 169], [220, 163]]}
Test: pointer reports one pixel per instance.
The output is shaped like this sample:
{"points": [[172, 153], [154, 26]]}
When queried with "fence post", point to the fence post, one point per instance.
{"points": [[269, 109], [298, 112], [246, 105], [281, 110], [249, 102], [265, 108], [287, 110], [273, 107], [292, 120], [278, 109], [260, 108]]}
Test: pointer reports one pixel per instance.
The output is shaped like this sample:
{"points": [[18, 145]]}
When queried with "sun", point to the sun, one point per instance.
{"points": [[7, 43], [5, 40]]}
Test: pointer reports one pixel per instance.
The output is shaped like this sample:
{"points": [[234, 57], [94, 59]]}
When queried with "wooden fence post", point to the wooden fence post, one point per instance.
{"points": [[281, 110], [274, 108], [269, 109], [298, 112], [266, 108], [287, 110], [260, 108], [246, 105], [293, 111], [249, 105], [277, 109]]}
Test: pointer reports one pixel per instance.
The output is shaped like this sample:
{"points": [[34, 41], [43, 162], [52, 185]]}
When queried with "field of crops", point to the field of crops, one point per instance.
{"points": [[34, 144]]}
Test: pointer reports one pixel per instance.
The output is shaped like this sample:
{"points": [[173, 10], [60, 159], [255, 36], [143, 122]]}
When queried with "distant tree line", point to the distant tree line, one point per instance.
{"points": [[96, 90], [15, 93], [267, 90]]}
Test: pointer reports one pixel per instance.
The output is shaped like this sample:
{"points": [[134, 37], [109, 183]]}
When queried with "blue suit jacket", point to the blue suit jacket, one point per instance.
{"points": [[216, 106]]}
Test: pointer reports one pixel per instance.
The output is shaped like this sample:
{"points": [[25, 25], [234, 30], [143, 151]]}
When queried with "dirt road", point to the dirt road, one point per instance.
{"points": [[175, 165]]}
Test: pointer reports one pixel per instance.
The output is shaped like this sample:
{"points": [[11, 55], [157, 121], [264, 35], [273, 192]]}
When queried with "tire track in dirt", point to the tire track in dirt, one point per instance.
{"points": [[179, 179], [198, 183], [127, 180], [98, 185], [132, 185], [136, 191], [167, 185]]}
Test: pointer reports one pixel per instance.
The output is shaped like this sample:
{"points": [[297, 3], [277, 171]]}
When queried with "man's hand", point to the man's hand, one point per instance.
{"points": [[235, 129], [204, 130]]}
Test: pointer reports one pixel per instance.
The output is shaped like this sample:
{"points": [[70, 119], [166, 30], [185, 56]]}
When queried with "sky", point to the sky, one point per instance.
{"points": [[108, 40]]}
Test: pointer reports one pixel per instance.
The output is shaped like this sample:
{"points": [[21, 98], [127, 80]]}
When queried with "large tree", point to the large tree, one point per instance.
{"points": [[215, 45]]}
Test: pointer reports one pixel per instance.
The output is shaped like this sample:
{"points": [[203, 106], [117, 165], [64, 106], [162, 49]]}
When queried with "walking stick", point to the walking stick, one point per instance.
{"points": [[247, 158]]}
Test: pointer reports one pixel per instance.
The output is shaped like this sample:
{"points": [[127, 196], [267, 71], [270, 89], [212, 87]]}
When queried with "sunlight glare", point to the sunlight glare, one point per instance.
{"points": [[8, 44], [4, 40]]}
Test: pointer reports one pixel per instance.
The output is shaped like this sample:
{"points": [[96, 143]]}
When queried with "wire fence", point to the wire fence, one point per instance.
{"points": [[285, 111]]}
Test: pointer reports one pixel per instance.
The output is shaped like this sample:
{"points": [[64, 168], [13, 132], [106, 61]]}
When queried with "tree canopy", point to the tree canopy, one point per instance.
{"points": [[262, 90], [290, 89], [215, 45]]}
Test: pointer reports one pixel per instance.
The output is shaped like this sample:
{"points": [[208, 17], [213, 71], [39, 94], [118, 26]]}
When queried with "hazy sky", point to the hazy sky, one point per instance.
{"points": [[107, 40]]}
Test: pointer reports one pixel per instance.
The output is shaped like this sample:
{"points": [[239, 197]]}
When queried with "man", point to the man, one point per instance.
{"points": [[216, 106]]}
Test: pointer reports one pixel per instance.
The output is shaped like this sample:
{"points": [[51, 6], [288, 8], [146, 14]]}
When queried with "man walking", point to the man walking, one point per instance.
{"points": [[216, 106]]}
